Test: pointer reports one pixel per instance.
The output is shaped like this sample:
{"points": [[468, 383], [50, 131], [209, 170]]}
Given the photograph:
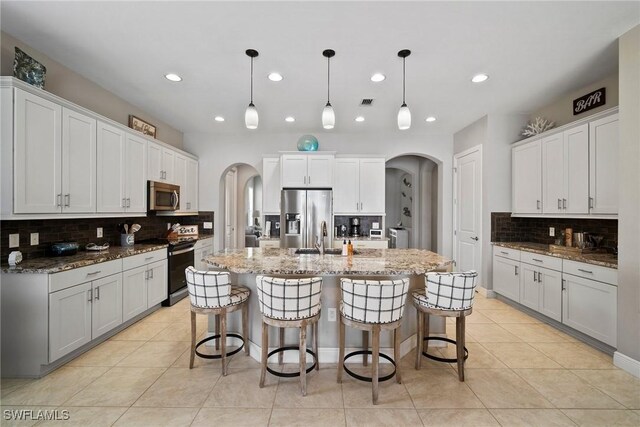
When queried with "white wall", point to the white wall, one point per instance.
{"points": [[629, 198], [218, 152]]}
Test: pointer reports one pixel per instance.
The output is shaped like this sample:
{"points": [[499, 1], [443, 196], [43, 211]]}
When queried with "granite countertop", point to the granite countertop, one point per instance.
{"points": [[47, 265], [367, 262], [269, 238], [601, 259]]}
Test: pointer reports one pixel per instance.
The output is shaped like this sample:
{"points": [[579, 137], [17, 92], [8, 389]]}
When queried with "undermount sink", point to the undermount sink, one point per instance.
{"points": [[313, 251]]}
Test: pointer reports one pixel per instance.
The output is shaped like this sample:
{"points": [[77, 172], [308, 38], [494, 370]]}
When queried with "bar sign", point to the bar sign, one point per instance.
{"points": [[589, 101]]}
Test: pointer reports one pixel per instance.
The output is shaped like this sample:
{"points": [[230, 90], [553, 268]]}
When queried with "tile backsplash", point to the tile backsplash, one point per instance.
{"points": [[366, 223], [505, 228], [83, 231]]}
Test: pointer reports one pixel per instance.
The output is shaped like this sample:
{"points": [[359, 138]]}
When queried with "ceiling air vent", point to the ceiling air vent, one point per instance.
{"points": [[367, 102]]}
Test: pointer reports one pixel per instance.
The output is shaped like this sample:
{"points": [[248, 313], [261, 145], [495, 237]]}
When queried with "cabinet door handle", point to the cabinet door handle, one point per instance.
{"points": [[535, 276], [59, 200], [93, 273], [146, 275], [585, 271], [538, 204], [304, 179], [563, 283], [149, 258], [309, 179], [564, 203], [504, 253], [539, 277], [90, 293], [97, 293], [128, 202], [559, 203], [67, 200], [361, 208], [537, 260], [516, 269], [150, 274], [590, 202], [124, 203]]}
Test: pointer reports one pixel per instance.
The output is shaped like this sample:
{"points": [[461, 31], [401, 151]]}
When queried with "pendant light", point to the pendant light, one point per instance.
{"points": [[251, 114], [404, 115], [328, 115]]}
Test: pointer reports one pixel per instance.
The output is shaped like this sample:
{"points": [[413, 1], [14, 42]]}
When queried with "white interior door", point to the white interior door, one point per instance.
{"points": [[468, 209], [230, 208]]}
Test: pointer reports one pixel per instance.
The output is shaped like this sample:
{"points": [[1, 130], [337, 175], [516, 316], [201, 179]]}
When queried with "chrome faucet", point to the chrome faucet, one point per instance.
{"points": [[320, 239]]}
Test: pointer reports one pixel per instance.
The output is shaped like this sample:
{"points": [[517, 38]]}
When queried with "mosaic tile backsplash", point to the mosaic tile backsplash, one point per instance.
{"points": [[505, 228], [83, 231]]}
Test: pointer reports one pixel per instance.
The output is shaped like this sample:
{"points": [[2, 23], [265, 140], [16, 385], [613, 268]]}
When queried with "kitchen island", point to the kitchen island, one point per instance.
{"points": [[378, 264]]}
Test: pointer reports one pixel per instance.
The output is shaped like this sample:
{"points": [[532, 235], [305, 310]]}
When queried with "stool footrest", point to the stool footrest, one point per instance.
{"points": [[219, 356], [443, 359], [291, 374], [368, 379]]}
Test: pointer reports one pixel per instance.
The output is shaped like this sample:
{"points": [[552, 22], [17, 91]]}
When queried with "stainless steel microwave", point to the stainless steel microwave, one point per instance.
{"points": [[163, 196]]}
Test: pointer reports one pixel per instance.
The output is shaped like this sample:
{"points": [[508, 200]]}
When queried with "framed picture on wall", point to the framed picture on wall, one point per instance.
{"points": [[140, 125]]}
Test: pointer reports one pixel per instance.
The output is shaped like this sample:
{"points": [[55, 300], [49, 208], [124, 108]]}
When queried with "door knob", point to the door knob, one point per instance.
{"points": [[475, 238]]}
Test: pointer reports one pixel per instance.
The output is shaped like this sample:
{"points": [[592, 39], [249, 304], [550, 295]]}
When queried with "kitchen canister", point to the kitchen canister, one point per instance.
{"points": [[127, 240], [568, 237]]}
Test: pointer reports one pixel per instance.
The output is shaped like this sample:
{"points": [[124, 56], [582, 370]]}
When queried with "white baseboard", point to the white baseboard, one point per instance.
{"points": [[491, 294], [626, 363]]}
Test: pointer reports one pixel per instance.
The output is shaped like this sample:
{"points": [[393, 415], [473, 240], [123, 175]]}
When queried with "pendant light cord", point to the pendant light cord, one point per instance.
{"points": [[251, 80], [404, 78], [328, 76]]}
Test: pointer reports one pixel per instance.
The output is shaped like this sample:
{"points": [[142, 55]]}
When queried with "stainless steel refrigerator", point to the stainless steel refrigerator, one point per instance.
{"points": [[301, 214]]}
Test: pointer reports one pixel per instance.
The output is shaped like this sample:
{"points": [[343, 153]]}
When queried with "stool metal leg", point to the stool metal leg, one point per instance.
{"points": [[217, 329], [375, 361], [303, 358], [420, 337], [460, 323], [223, 339], [265, 351], [245, 328], [315, 344], [281, 344], [396, 353], [426, 333], [341, 351], [365, 346], [193, 339]]}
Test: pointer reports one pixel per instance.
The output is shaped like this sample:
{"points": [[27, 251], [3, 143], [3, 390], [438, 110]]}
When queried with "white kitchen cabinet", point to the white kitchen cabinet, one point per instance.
{"points": [[160, 163], [180, 179], [78, 162], [202, 249], [106, 308], [590, 307], [307, 170], [134, 292], [603, 163], [541, 290], [69, 320], [529, 289], [359, 186], [271, 187], [191, 183], [565, 171], [157, 289], [37, 154], [121, 162], [506, 277], [271, 244], [527, 178]]}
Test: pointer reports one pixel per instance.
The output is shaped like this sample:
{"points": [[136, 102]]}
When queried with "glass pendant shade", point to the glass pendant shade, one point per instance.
{"points": [[251, 117], [328, 117], [404, 117]]}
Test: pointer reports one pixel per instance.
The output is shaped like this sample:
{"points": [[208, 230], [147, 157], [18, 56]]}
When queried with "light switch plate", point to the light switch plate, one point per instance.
{"points": [[332, 315], [14, 240], [552, 231], [99, 232], [207, 225], [35, 239]]}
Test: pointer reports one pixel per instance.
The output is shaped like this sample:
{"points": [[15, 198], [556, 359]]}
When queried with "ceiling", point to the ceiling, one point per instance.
{"points": [[533, 52]]}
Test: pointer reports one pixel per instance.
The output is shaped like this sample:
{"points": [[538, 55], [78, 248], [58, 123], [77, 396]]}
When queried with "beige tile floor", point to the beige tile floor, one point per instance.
{"points": [[520, 372]]}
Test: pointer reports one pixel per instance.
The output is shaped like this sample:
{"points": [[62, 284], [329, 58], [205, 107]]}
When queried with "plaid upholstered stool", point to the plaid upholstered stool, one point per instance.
{"points": [[289, 303], [448, 295], [211, 292], [372, 306]]}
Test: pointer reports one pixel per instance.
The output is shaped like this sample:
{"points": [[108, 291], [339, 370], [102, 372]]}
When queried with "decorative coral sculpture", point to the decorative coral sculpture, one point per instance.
{"points": [[539, 125]]}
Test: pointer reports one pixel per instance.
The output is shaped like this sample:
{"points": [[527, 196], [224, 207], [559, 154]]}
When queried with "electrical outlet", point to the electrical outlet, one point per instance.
{"points": [[552, 231], [14, 240], [35, 239], [207, 225], [99, 232], [168, 226], [332, 315]]}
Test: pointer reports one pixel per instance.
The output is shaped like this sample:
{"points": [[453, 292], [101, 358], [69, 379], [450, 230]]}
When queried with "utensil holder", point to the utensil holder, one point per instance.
{"points": [[127, 240]]}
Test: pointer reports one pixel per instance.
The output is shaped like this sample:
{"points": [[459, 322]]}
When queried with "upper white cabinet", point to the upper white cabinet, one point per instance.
{"points": [[526, 172], [359, 186], [571, 171], [271, 185], [120, 171], [161, 163], [180, 178], [191, 183], [565, 171], [307, 170], [55, 158], [603, 162]]}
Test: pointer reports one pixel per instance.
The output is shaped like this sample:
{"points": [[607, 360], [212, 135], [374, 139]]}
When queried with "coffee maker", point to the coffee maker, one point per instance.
{"points": [[355, 226]]}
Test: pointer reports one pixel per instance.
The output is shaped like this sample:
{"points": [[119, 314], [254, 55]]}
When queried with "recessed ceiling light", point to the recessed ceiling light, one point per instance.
{"points": [[378, 77], [479, 78], [173, 77], [219, 119], [430, 119], [359, 119], [290, 119], [275, 77]]}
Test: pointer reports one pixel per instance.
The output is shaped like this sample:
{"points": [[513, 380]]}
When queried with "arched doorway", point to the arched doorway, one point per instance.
{"points": [[235, 182]]}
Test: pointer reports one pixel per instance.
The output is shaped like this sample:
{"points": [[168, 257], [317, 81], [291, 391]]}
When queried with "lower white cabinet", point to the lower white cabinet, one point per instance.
{"points": [[106, 307], [157, 288], [590, 307], [541, 290], [506, 277], [203, 249], [69, 320], [134, 292]]}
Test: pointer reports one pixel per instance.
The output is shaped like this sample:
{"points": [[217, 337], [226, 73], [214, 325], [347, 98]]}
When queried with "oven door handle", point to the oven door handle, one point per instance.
{"points": [[182, 251], [175, 199]]}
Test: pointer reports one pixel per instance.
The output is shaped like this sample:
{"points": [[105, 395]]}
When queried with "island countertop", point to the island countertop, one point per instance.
{"points": [[366, 262]]}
